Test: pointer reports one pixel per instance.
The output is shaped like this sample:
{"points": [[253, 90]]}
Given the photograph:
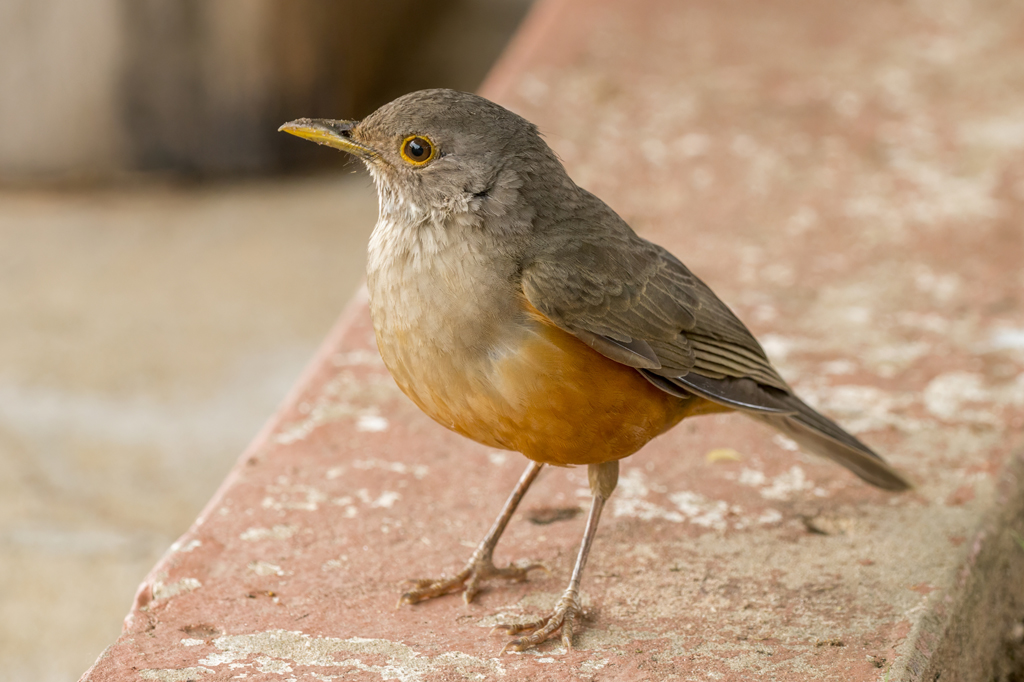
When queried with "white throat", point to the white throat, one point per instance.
{"points": [[411, 236]]}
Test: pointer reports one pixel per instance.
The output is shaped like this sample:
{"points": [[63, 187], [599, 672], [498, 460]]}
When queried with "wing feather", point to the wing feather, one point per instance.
{"points": [[614, 288], [637, 304]]}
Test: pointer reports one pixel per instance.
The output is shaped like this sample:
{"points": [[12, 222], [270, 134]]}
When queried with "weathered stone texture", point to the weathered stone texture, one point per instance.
{"points": [[849, 178]]}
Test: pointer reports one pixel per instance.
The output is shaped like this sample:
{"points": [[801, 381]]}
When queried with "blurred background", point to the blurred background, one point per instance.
{"points": [[169, 263]]}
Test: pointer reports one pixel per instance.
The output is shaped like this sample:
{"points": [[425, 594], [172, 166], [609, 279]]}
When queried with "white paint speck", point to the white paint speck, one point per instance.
{"points": [[946, 396], [780, 487], [186, 547], [1008, 338], [417, 470], [861, 408], [301, 497], [751, 477], [594, 666], [629, 500], [279, 532], [784, 485], [174, 674], [264, 568], [347, 395], [785, 443], [777, 347], [371, 423], [690, 506], [701, 511], [839, 367], [386, 500], [162, 591]]}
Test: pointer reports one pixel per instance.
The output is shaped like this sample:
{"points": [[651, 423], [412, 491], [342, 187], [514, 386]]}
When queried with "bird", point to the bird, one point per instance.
{"points": [[519, 310]]}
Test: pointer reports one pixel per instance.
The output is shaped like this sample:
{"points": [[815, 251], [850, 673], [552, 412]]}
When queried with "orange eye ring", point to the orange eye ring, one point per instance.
{"points": [[418, 150]]}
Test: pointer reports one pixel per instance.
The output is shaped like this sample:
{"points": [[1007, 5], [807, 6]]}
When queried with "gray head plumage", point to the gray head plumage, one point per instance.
{"points": [[440, 153]]}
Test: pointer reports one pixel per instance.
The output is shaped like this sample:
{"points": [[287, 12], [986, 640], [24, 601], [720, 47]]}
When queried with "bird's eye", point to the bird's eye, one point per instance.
{"points": [[418, 150]]}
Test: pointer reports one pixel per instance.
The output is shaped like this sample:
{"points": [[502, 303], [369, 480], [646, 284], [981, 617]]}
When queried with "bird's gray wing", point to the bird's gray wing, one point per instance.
{"points": [[636, 303]]}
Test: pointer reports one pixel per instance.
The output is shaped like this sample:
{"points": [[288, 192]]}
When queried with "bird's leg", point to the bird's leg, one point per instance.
{"points": [[481, 564], [603, 479]]}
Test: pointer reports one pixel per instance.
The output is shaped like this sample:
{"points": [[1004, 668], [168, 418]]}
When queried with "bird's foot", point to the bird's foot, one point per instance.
{"points": [[468, 580], [563, 618]]}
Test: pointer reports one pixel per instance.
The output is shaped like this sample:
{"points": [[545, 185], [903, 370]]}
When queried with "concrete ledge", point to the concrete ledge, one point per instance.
{"points": [[849, 182], [974, 630]]}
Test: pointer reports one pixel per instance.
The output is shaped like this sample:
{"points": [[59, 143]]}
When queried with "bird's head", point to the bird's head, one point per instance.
{"points": [[438, 153]]}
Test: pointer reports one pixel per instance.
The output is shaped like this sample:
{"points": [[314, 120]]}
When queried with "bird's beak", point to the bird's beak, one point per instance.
{"points": [[337, 134]]}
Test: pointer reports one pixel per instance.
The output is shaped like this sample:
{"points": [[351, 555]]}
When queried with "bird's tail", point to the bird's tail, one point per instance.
{"points": [[821, 436]]}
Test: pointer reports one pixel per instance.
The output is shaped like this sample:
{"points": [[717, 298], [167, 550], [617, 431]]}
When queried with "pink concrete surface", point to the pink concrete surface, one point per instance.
{"points": [[849, 179]]}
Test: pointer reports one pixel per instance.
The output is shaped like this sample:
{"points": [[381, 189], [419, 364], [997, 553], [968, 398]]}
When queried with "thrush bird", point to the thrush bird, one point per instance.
{"points": [[517, 309]]}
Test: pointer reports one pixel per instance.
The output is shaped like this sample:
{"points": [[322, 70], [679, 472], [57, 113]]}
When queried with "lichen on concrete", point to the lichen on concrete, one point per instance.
{"points": [[279, 653]]}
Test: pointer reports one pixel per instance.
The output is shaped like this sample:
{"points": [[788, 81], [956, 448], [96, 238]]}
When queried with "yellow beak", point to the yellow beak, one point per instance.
{"points": [[337, 134]]}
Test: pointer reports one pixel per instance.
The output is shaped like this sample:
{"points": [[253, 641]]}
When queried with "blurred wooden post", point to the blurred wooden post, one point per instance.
{"points": [[95, 87]]}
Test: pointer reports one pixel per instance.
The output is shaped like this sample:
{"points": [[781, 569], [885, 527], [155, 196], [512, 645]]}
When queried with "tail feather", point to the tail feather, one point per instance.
{"points": [[790, 415], [821, 436]]}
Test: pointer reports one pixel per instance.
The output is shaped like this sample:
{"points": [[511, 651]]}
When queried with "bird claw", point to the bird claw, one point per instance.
{"points": [[563, 618], [522, 626], [468, 580]]}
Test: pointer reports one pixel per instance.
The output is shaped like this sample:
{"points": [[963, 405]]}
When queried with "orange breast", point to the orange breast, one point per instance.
{"points": [[549, 396], [579, 407]]}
